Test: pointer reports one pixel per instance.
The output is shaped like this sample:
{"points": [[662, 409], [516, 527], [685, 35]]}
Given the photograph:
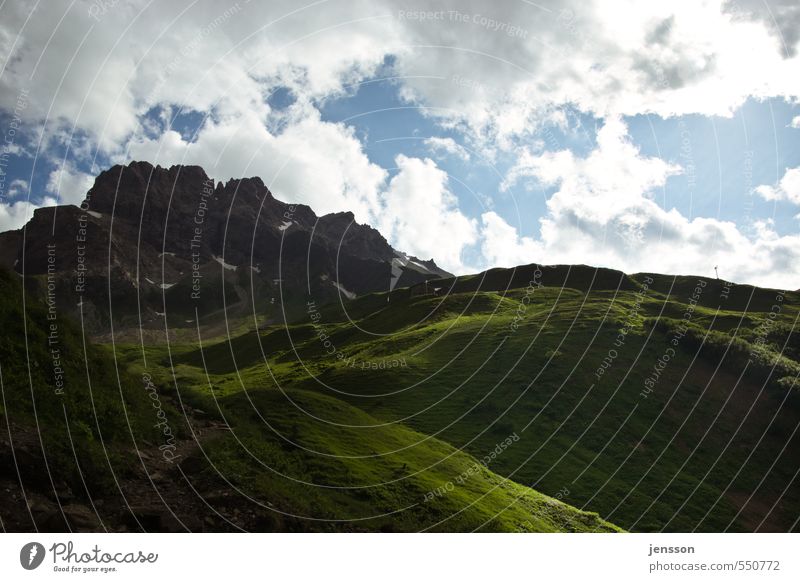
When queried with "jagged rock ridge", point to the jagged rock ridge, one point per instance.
{"points": [[151, 242]]}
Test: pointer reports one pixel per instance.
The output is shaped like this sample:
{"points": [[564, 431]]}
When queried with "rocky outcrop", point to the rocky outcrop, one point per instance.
{"points": [[151, 243]]}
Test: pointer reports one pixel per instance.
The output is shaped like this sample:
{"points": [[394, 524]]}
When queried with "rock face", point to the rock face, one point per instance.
{"points": [[150, 242]]}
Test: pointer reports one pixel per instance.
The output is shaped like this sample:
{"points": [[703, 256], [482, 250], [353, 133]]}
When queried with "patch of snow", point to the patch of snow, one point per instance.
{"points": [[93, 213], [420, 265], [256, 269], [160, 314], [285, 225], [344, 291], [223, 263], [398, 262], [162, 254], [162, 285]]}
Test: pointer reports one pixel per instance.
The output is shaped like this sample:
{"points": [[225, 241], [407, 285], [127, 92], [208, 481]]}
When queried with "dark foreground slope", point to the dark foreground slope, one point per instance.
{"points": [[662, 403], [92, 443]]}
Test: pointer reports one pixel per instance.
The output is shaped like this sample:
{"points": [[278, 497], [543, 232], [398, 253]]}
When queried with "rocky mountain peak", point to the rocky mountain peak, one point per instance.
{"points": [[157, 240]]}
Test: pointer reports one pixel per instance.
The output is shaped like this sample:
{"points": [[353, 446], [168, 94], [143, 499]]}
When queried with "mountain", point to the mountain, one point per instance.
{"points": [[150, 242], [334, 384]]}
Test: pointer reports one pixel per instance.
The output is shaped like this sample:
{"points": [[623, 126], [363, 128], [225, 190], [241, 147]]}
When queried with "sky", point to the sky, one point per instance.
{"points": [[659, 137]]}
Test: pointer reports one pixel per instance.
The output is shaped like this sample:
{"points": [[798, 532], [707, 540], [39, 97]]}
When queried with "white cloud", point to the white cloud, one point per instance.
{"points": [[310, 161], [602, 213], [16, 214], [101, 76], [501, 246], [795, 123], [781, 16], [421, 216], [610, 180], [633, 58], [17, 188], [788, 188], [447, 146], [498, 79], [68, 185]]}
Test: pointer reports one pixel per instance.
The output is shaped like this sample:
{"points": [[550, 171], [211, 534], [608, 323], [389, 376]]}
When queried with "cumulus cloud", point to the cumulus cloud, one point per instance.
{"points": [[16, 214], [17, 188], [310, 161], [795, 122], [603, 210], [447, 146], [781, 16], [497, 70], [68, 185], [421, 215], [501, 245], [668, 59], [100, 70], [788, 188]]}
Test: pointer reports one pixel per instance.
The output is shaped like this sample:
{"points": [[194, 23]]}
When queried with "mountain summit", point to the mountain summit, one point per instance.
{"points": [[151, 242]]}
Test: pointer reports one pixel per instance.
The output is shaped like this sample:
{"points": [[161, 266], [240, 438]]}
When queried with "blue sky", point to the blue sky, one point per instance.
{"points": [[636, 139], [730, 155]]}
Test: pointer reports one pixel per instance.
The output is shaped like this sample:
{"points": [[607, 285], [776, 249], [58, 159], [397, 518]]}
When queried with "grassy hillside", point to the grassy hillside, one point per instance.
{"points": [[115, 437], [534, 399], [386, 477], [85, 413], [661, 403]]}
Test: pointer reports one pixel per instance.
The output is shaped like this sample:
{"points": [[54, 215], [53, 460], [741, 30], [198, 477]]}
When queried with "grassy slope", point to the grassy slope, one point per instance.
{"points": [[704, 450], [345, 478], [351, 471], [87, 426], [382, 478]]}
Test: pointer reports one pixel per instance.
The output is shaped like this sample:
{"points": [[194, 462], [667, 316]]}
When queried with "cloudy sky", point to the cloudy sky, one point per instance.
{"points": [[641, 136]]}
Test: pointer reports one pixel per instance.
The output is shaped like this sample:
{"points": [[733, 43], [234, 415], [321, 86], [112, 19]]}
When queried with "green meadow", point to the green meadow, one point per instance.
{"points": [[495, 405]]}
